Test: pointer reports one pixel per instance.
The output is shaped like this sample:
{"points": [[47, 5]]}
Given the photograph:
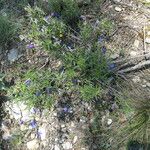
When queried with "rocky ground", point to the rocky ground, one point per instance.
{"points": [[66, 126]]}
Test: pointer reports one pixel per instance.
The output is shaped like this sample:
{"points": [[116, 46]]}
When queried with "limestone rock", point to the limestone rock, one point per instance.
{"points": [[67, 146], [33, 145], [118, 9], [75, 139], [147, 40], [13, 55]]}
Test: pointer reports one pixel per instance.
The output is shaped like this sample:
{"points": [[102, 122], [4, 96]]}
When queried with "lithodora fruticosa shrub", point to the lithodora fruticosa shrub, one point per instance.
{"points": [[7, 31], [45, 31], [38, 88], [82, 62]]}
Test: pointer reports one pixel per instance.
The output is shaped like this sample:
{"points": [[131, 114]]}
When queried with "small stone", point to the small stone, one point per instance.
{"points": [[147, 1], [147, 40], [67, 146], [23, 127], [133, 53], [103, 120], [122, 118], [148, 84], [44, 143], [114, 56], [42, 133], [114, 106], [33, 145], [55, 114], [6, 135], [75, 139], [136, 79], [144, 86], [13, 55], [118, 9], [109, 121], [56, 147], [56, 139], [83, 119], [32, 135], [63, 126], [72, 124], [136, 43], [148, 33]]}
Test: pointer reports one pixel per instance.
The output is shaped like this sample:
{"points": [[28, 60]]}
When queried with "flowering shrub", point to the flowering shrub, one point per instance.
{"points": [[36, 89], [82, 63], [45, 31]]}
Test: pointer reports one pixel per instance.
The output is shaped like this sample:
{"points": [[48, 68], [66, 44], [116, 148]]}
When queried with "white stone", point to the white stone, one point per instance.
{"points": [[63, 126], [118, 9], [136, 79], [133, 53], [23, 127], [148, 33], [148, 84], [75, 139], [67, 146], [147, 1], [136, 43], [109, 121], [44, 143], [144, 86], [6, 135], [103, 119], [55, 114], [147, 40], [56, 147], [13, 55], [72, 124], [114, 56], [33, 145], [42, 132]]}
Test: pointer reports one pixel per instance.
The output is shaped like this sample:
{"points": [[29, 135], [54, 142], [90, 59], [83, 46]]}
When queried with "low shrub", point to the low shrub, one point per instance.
{"points": [[7, 31], [45, 31], [136, 107], [36, 88], [67, 9]]}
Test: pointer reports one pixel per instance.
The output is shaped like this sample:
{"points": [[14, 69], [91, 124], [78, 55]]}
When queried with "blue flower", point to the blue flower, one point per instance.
{"points": [[111, 66], [31, 46], [33, 110], [21, 122], [70, 46], [38, 134], [103, 49], [101, 38], [48, 90], [33, 124], [38, 93], [65, 109], [28, 82], [55, 14], [47, 17]]}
